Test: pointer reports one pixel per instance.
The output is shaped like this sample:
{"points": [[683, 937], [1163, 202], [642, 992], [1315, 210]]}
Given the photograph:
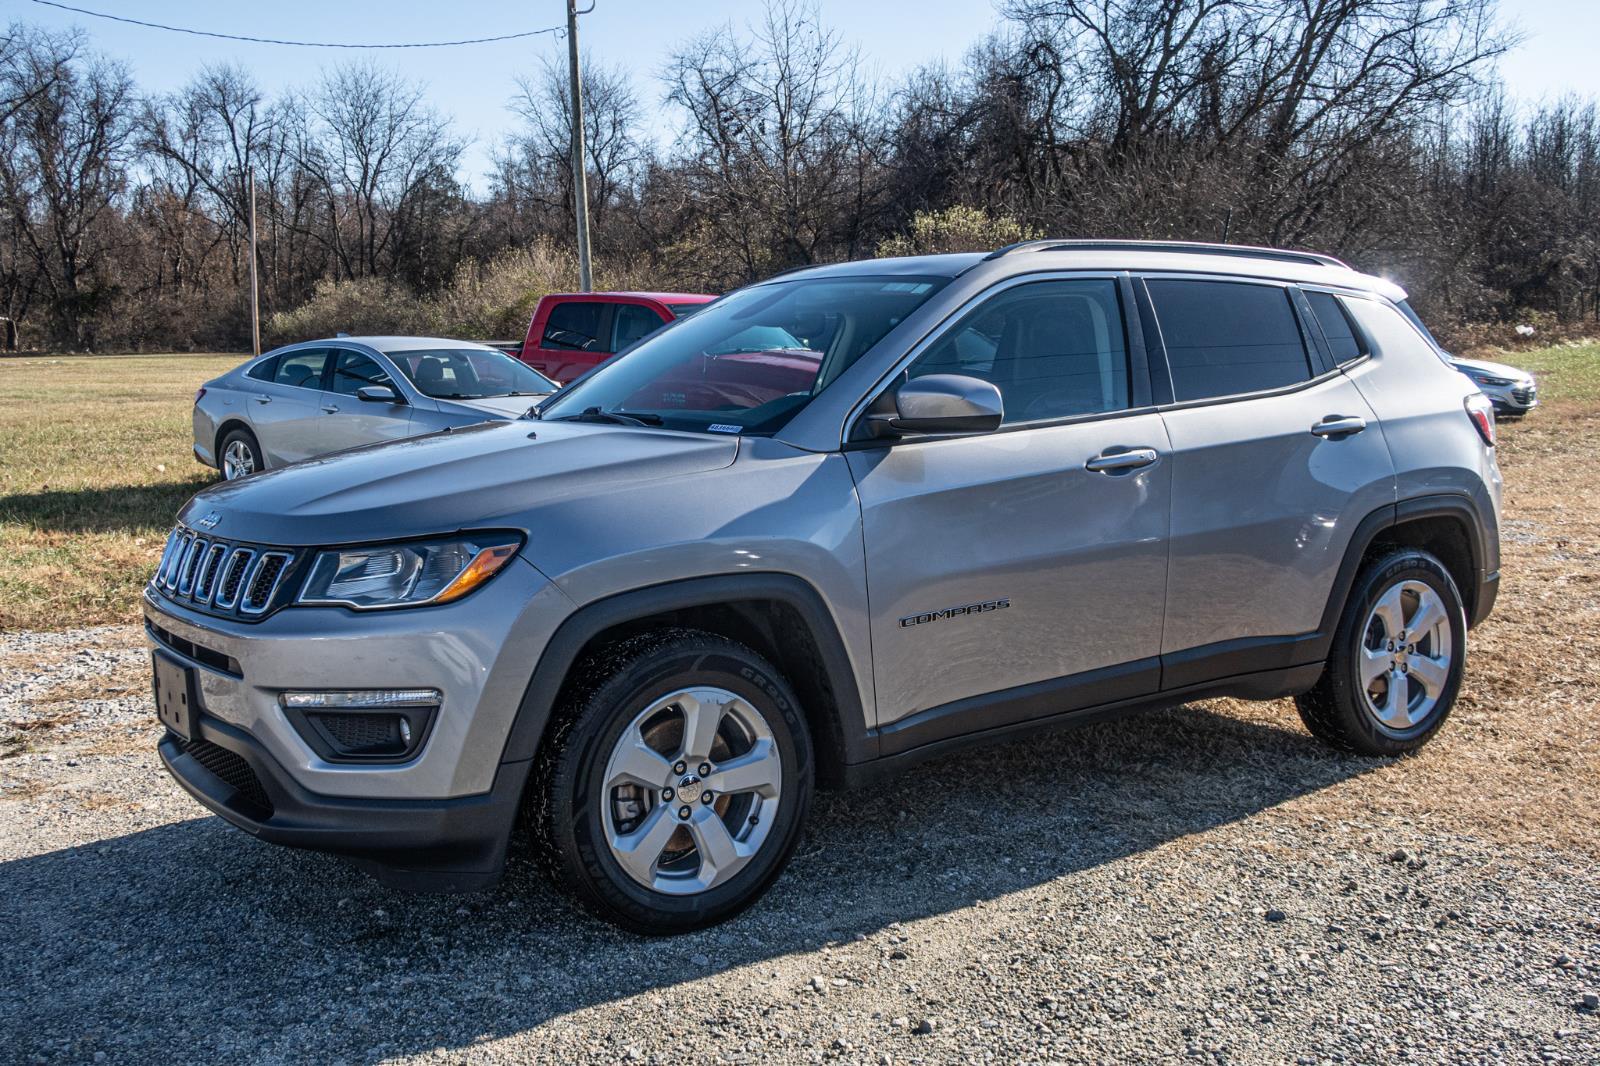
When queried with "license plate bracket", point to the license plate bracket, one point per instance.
{"points": [[177, 704]]}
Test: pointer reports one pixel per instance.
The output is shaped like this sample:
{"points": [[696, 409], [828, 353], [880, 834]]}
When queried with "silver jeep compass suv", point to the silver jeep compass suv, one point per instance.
{"points": [[837, 522]]}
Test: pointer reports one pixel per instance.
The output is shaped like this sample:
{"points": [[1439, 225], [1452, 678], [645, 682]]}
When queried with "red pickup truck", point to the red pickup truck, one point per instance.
{"points": [[572, 332]]}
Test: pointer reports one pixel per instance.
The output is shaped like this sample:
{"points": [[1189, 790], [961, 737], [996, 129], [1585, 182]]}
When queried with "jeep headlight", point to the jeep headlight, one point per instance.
{"points": [[410, 574]]}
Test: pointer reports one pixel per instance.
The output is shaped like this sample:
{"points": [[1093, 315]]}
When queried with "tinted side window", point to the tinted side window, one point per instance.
{"points": [[1341, 338], [1053, 348], [264, 370], [633, 322], [303, 369], [354, 371], [574, 327], [1224, 338]]}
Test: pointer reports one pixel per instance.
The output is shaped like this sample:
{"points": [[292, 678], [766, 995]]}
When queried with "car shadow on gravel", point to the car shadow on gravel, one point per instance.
{"points": [[193, 941]]}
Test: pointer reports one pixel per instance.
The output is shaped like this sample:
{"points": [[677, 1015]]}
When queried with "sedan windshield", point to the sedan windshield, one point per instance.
{"points": [[749, 362], [470, 374]]}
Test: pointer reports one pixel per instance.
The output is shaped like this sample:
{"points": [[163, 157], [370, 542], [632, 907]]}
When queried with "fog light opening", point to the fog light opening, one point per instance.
{"points": [[378, 725]]}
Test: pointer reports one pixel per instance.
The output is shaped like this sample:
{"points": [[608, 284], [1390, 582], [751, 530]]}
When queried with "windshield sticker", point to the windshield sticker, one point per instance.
{"points": [[718, 428]]}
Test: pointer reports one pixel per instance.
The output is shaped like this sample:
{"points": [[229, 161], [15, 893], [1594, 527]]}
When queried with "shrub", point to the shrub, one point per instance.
{"points": [[956, 229]]}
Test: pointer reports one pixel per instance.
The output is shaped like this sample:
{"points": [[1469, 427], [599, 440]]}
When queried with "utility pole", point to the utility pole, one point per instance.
{"points": [[580, 183], [255, 290]]}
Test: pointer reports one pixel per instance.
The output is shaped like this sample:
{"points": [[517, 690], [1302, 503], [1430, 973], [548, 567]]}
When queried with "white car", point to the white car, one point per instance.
{"points": [[1512, 391], [323, 396]]}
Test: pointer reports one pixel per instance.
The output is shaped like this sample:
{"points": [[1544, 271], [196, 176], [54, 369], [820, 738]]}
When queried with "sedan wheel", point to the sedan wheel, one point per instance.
{"points": [[241, 455]]}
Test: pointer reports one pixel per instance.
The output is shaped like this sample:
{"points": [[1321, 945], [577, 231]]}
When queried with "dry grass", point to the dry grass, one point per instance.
{"points": [[94, 462]]}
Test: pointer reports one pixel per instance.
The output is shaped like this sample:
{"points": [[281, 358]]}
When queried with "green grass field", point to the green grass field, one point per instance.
{"points": [[95, 461]]}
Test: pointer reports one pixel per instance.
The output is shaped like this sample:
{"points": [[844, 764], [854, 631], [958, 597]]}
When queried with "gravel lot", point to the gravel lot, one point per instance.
{"points": [[1204, 883]]}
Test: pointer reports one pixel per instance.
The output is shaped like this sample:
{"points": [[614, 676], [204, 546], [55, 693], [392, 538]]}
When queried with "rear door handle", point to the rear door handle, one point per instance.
{"points": [[263, 399], [1339, 426], [331, 408], [1121, 462]]}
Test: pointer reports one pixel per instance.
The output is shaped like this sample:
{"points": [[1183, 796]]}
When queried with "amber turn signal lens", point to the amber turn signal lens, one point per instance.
{"points": [[484, 565]]}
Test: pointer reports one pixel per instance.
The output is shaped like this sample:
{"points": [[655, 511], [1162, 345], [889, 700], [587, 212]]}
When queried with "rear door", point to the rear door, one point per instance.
{"points": [[1276, 458], [575, 339], [349, 421], [286, 412], [1018, 562]]}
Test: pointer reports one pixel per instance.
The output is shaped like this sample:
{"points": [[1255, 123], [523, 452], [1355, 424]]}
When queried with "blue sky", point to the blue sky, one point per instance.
{"points": [[472, 84]]}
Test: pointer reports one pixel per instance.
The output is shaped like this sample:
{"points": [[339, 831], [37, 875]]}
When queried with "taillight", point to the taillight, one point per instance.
{"points": [[199, 395], [1481, 411]]}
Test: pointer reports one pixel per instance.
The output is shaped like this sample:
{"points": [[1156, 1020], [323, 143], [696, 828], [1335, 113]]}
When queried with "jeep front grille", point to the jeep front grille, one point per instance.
{"points": [[223, 577]]}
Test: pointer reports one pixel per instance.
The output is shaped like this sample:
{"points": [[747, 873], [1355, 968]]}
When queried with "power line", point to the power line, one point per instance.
{"points": [[296, 44]]}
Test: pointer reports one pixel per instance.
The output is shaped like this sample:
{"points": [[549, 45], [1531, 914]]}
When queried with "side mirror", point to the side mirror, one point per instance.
{"points": [[378, 394], [937, 403]]}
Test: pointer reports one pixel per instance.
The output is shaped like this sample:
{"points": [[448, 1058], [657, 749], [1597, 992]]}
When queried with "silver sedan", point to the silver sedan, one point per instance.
{"points": [[324, 396]]}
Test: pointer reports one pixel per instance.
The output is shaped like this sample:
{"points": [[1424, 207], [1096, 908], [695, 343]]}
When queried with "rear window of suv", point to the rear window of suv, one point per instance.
{"points": [[1225, 338]]}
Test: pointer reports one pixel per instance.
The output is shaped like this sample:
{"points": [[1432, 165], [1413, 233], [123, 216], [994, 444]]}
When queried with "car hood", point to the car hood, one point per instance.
{"points": [[499, 406], [483, 476], [1483, 366]]}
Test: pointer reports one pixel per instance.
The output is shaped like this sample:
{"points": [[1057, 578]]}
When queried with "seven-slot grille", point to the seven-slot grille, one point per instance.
{"points": [[220, 576]]}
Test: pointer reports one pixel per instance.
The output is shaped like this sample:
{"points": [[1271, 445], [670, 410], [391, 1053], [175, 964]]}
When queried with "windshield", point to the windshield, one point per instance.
{"points": [[470, 374], [749, 362]]}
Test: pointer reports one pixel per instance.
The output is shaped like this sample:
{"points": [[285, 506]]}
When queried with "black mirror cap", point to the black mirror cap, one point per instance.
{"points": [[379, 394], [938, 404]]}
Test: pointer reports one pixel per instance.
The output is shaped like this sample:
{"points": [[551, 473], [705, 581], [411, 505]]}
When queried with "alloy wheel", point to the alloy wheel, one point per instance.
{"points": [[237, 460], [1405, 655], [690, 790]]}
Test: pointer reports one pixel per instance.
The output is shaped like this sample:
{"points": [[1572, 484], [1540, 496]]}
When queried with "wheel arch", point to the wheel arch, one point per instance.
{"points": [[780, 616], [225, 427], [1450, 526]]}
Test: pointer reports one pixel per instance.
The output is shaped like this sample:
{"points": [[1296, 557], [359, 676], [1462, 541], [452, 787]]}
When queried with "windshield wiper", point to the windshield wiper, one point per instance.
{"points": [[620, 418]]}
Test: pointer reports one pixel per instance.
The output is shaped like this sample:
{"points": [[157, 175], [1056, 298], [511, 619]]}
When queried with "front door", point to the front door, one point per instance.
{"points": [[1032, 561], [349, 421]]}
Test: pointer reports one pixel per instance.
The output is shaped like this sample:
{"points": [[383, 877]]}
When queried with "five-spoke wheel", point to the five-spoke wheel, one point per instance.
{"points": [[1396, 660], [680, 783]]}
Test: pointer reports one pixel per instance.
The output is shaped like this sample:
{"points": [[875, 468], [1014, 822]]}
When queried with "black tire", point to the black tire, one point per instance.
{"points": [[1336, 709], [567, 806], [238, 435]]}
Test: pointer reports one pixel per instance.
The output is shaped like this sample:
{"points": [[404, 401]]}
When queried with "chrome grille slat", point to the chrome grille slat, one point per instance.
{"points": [[253, 602], [206, 576], [221, 576], [231, 580], [191, 559], [169, 580]]}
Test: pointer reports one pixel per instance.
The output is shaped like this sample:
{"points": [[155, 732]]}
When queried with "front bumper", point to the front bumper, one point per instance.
{"points": [[451, 845], [439, 819], [478, 652], [1515, 399]]}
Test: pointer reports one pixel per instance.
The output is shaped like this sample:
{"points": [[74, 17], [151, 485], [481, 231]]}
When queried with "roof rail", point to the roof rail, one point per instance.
{"points": [[1246, 251]]}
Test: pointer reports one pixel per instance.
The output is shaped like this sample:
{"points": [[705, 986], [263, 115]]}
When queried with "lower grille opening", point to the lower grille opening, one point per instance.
{"points": [[233, 771], [369, 735], [198, 652]]}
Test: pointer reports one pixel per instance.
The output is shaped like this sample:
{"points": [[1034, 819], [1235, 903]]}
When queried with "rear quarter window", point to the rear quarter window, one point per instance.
{"points": [[1226, 338], [1343, 343], [264, 370]]}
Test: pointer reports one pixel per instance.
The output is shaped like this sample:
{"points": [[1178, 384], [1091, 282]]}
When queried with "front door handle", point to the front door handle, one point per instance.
{"points": [[1121, 462], [331, 408], [1339, 426]]}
